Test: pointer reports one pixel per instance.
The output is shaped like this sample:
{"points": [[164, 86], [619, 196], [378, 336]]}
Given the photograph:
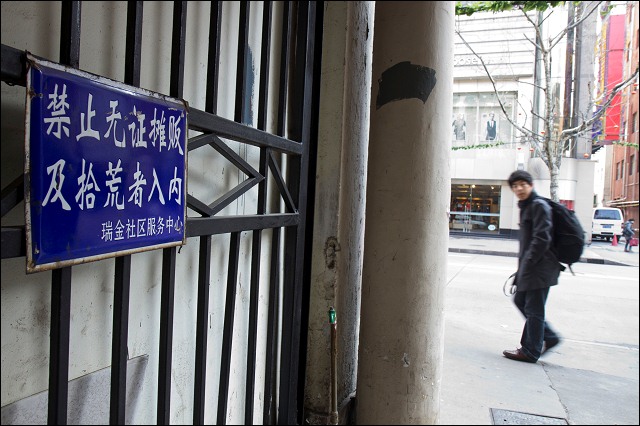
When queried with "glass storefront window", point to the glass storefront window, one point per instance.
{"points": [[475, 208], [478, 119]]}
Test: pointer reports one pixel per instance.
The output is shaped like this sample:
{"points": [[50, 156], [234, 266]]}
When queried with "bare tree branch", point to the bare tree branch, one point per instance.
{"points": [[549, 142], [555, 40], [586, 125]]}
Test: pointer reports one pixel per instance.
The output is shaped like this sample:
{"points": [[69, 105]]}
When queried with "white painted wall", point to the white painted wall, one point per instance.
{"points": [[408, 197], [35, 26], [338, 234]]}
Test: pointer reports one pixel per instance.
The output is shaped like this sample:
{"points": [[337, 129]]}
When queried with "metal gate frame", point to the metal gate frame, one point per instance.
{"points": [[299, 73]]}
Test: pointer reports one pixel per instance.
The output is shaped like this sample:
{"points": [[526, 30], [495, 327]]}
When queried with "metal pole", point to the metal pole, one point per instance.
{"points": [[333, 419]]}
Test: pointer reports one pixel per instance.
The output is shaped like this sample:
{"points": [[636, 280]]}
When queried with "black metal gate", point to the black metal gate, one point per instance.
{"points": [[297, 106]]}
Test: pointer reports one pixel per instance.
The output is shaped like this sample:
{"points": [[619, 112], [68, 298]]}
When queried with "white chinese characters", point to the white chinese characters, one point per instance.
{"points": [[101, 122], [87, 187]]}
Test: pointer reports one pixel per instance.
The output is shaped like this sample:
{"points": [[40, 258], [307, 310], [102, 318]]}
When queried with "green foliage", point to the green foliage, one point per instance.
{"points": [[629, 144], [606, 9], [469, 8], [478, 146]]}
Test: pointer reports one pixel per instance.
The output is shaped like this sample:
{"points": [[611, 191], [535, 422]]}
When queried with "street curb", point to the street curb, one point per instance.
{"points": [[604, 262], [511, 254], [486, 252]]}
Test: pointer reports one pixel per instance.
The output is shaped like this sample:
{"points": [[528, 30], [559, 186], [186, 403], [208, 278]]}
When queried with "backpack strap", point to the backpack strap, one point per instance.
{"points": [[564, 268]]}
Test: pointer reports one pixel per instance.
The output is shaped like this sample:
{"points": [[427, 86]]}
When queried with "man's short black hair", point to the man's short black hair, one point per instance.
{"points": [[520, 175]]}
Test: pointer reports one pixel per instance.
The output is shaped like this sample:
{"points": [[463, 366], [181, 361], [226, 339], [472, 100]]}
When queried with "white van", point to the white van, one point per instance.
{"points": [[607, 222]]}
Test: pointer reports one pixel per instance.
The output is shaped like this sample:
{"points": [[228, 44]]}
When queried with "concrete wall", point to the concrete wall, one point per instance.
{"points": [[572, 173], [483, 164], [338, 238], [584, 195]]}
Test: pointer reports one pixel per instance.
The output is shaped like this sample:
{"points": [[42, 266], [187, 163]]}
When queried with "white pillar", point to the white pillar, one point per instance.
{"points": [[406, 231], [338, 238]]}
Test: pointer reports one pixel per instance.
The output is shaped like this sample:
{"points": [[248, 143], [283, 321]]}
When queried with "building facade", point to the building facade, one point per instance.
{"points": [[622, 119], [486, 147]]}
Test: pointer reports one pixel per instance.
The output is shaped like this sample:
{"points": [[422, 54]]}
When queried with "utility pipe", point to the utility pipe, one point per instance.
{"points": [[333, 419]]}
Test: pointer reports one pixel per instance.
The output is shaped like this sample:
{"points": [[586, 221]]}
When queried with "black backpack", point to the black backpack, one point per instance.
{"points": [[568, 235]]}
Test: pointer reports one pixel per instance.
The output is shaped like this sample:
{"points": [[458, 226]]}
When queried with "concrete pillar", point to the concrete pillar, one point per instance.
{"points": [[338, 239], [406, 231]]}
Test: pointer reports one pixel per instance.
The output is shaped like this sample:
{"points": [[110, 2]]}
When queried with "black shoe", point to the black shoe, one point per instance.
{"points": [[548, 345], [518, 355]]}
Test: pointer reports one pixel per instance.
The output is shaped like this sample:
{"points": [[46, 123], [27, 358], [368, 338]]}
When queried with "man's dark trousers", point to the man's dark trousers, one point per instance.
{"points": [[536, 330]]}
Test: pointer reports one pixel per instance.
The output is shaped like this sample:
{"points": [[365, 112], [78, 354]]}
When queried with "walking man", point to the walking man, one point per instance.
{"points": [[538, 270], [628, 233]]}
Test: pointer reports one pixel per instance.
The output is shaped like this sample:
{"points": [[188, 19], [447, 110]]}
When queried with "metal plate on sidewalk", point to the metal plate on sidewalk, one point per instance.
{"points": [[506, 417]]}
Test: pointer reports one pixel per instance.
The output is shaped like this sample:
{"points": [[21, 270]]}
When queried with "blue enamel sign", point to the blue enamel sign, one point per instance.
{"points": [[105, 167]]}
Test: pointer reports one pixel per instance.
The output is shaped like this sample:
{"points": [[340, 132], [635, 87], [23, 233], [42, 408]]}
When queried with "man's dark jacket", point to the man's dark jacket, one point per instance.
{"points": [[538, 266]]}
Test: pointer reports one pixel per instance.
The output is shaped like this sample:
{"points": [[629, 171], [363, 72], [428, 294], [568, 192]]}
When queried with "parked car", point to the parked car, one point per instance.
{"points": [[607, 222]]}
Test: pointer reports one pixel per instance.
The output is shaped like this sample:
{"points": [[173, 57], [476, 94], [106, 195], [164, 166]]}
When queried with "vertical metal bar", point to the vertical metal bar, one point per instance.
{"points": [[61, 278], [213, 64], [264, 66], [253, 300], [253, 327], [202, 315], [134, 43], [311, 101], [119, 352], [227, 338], [241, 77], [299, 73], [166, 334], [257, 234], [263, 98], [122, 281], [70, 34], [269, 409], [288, 357], [284, 68], [169, 254], [59, 346], [178, 41], [289, 412]]}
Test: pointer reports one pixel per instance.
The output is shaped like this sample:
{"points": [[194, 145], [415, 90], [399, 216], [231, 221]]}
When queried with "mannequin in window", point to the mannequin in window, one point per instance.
{"points": [[459, 128], [491, 128]]}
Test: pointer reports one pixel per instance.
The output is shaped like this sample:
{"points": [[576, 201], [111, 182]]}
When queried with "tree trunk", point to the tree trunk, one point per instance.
{"points": [[553, 181]]}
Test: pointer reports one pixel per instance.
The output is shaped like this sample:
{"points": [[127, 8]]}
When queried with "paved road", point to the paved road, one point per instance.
{"points": [[590, 378]]}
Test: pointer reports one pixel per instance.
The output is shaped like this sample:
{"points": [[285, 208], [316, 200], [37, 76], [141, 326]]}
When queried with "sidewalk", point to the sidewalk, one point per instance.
{"points": [[591, 378], [598, 252]]}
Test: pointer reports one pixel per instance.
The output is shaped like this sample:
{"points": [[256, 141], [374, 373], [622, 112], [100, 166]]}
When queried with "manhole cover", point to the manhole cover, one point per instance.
{"points": [[506, 417]]}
